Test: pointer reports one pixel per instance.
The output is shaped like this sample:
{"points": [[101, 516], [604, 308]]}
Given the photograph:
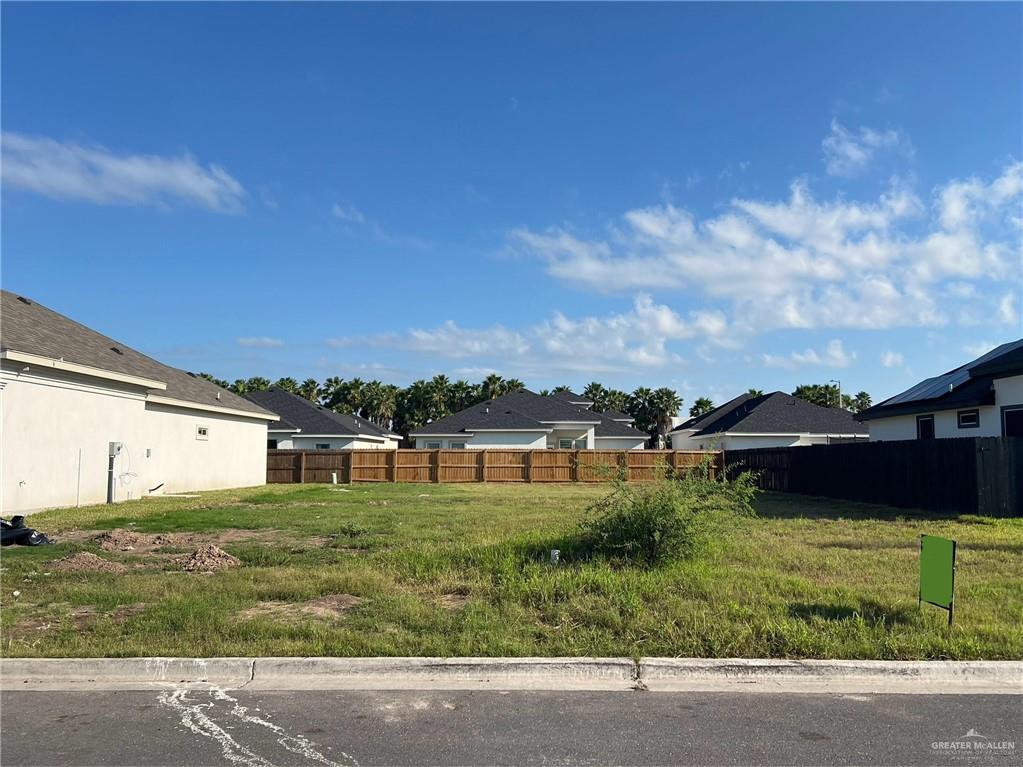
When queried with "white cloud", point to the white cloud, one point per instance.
{"points": [[1007, 309], [834, 356], [638, 337], [849, 154], [359, 223], [70, 171], [890, 359], [805, 263], [261, 342], [979, 348]]}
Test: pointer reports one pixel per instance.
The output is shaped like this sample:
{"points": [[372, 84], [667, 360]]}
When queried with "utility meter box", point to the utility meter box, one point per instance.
{"points": [[114, 449]]}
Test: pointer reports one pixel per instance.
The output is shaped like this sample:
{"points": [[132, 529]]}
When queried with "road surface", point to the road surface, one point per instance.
{"points": [[256, 728]]}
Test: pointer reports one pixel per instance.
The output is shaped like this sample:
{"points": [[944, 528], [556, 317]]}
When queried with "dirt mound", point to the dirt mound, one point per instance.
{"points": [[207, 559], [331, 606], [84, 562], [129, 540]]}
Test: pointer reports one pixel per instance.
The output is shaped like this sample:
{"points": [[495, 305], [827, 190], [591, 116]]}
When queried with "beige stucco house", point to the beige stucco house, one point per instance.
{"points": [[85, 417]]}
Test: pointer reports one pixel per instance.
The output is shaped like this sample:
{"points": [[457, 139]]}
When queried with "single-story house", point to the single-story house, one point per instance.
{"points": [[770, 420], [983, 398], [524, 419], [88, 419], [304, 425]]}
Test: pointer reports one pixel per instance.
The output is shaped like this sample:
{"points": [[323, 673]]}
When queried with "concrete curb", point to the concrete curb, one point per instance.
{"points": [[930, 677], [655, 674]]}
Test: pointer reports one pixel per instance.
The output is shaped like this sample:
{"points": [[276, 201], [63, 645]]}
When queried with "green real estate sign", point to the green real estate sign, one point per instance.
{"points": [[937, 572]]}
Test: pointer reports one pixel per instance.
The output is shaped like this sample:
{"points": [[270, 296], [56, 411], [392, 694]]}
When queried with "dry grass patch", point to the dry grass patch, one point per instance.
{"points": [[329, 607]]}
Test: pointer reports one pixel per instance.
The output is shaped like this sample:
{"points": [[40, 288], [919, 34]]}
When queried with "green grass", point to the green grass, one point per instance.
{"points": [[463, 570]]}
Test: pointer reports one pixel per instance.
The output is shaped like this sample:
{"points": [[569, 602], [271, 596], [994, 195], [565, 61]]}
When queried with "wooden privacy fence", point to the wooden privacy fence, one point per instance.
{"points": [[344, 466], [981, 475]]}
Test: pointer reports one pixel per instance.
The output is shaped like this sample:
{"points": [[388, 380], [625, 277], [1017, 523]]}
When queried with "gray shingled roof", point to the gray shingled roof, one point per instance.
{"points": [[616, 415], [705, 420], [29, 327], [310, 418], [778, 413], [571, 396], [525, 410]]}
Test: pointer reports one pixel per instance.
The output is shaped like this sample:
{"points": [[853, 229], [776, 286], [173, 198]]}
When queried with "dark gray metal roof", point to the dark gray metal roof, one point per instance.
{"points": [[968, 385], [31, 328], [310, 418], [780, 413]]}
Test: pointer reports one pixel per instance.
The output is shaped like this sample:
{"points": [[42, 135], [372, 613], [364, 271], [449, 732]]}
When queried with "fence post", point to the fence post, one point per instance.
{"points": [[624, 462], [435, 465], [673, 463], [393, 465], [529, 466], [575, 466], [301, 467], [483, 465]]}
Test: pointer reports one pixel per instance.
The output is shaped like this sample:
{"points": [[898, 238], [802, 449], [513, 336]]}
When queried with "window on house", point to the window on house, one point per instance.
{"points": [[571, 444], [1012, 421], [968, 419], [271, 444], [202, 432], [458, 446], [433, 445], [323, 446], [925, 427]]}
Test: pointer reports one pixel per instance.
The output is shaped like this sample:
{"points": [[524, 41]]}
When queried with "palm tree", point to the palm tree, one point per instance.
{"points": [[639, 409], [462, 394], [439, 393], [309, 389], [561, 389], [218, 381], [330, 392], [755, 392], [513, 384], [379, 402], [614, 399], [287, 384], [492, 386], [257, 384], [664, 405], [702, 406]]}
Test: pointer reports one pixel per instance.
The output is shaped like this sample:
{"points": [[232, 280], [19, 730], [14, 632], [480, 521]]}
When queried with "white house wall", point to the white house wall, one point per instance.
{"points": [[1008, 391], [57, 424], [513, 440], [619, 443]]}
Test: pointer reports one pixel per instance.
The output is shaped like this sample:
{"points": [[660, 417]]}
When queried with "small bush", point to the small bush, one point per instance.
{"points": [[670, 518]]}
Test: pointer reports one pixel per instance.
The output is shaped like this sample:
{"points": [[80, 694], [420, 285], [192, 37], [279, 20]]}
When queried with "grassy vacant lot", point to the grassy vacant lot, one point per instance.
{"points": [[463, 570]]}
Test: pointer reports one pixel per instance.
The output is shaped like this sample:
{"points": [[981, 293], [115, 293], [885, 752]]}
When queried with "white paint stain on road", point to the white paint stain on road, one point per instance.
{"points": [[197, 717]]}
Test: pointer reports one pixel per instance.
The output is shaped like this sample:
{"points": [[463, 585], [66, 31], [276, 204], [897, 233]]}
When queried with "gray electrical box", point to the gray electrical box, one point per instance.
{"points": [[114, 449]]}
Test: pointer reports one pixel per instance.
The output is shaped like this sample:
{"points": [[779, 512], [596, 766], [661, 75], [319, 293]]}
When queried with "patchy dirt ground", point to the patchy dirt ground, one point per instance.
{"points": [[86, 562], [207, 559], [81, 618], [454, 601], [331, 607]]}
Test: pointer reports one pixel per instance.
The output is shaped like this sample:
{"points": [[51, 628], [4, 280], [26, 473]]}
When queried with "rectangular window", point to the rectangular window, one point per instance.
{"points": [[1012, 421], [571, 444], [968, 419], [323, 446], [925, 427], [458, 446], [271, 444], [202, 432], [433, 445]]}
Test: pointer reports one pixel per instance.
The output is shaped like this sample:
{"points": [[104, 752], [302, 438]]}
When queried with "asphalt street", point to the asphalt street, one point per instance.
{"points": [[175, 726]]}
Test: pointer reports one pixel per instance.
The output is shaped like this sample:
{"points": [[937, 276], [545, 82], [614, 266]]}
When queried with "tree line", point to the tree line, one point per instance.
{"points": [[406, 409]]}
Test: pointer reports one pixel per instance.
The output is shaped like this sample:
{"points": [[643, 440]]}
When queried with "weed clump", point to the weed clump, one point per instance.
{"points": [[673, 517]]}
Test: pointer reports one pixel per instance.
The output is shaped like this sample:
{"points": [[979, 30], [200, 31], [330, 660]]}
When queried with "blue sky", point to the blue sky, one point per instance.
{"points": [[709, 197]]}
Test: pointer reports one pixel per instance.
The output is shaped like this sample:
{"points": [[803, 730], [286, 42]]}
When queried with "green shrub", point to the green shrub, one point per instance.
{"points": [[670, 518]]}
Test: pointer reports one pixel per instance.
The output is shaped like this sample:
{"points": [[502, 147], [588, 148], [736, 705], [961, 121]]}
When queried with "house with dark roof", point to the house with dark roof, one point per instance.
{"points": [[87, 418], [305, 425], [770, 420], [524, 419], [983, 398]]}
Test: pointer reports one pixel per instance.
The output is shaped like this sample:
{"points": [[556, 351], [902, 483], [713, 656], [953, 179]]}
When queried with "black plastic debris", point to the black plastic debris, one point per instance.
{"points": [[15, 533]]}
